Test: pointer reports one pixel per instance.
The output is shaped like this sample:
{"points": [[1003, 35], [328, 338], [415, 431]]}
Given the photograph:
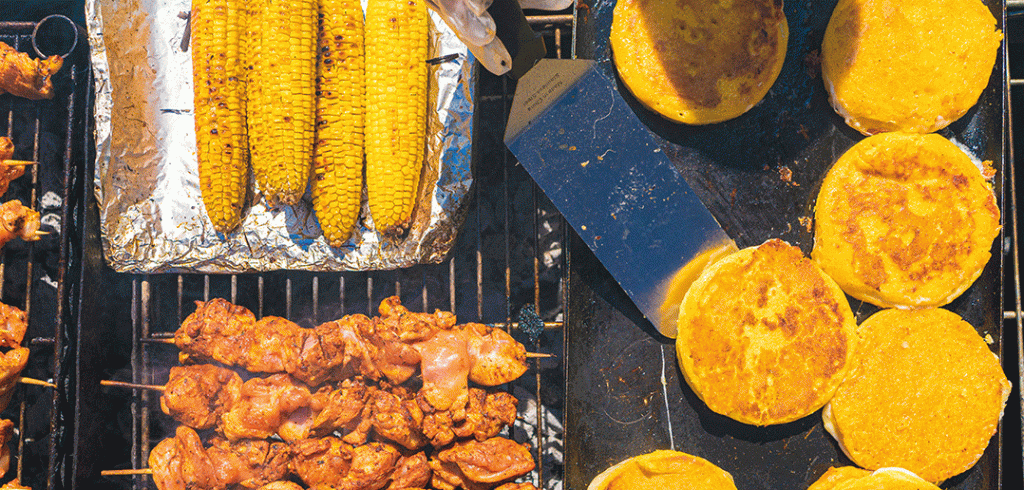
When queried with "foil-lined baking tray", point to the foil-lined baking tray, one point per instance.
{"points": [[759, 174], [147, 183]]}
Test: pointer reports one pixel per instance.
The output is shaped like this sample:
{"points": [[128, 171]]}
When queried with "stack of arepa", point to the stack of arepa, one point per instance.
{"points": [[905, 220]]}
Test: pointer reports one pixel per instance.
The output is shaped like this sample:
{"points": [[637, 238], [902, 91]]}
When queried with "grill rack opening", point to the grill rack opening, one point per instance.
{"points": [[34, 276], [509, 263]]}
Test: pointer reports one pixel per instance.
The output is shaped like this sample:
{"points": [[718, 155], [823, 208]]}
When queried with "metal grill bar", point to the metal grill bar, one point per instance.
{"points": [[48, 128]]}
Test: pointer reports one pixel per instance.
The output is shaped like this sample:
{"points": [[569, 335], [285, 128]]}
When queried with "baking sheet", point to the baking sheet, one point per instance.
{"points": [[759, 175], [147, 182]]}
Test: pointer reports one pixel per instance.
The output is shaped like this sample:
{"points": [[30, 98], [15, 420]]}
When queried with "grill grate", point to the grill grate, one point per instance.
{"points": [[33, 276], [509, 260]]}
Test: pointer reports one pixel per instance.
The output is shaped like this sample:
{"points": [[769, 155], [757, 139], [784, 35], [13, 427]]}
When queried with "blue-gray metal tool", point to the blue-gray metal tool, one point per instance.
{"points": [[598, 163]]}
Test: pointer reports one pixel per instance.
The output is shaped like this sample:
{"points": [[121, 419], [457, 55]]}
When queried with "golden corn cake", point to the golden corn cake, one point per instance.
{"points": [[764, 337], [699, 61], [663, 470], [852, 478], [904, 220], [907, 65], [925, 394]]}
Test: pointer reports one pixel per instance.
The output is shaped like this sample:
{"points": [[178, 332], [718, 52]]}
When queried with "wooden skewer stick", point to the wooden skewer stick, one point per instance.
{"points": [[128, 472], [37, 382], [134, 386], [19, 163], [169, 340]]}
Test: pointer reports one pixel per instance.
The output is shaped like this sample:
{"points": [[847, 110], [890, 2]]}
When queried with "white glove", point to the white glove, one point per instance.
{"points": [[475, 27]]}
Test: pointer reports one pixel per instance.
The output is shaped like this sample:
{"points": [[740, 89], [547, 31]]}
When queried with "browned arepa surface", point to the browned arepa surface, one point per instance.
{"points": [[926, 394], [699, 61], [905, 220], [663, 469], [853, 478], [907, 65], [765, 337]]}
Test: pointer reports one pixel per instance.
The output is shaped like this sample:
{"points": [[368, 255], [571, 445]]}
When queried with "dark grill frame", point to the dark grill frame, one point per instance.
{"points": [[54, 131]]}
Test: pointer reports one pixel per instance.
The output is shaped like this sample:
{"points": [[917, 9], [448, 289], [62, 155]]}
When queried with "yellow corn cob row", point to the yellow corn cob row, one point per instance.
{"points": [[219, 83], [338, 165], [286, 98], [396, 100], [254, 65]]}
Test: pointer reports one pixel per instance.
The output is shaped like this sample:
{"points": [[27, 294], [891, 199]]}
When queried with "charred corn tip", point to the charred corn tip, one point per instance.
{"points": [[396, 99]]}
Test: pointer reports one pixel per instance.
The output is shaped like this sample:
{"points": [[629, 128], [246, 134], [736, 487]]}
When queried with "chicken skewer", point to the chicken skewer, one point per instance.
{"points": [[393, 346], [206, 396], [183, 462], [25, 77], [18, 221]]}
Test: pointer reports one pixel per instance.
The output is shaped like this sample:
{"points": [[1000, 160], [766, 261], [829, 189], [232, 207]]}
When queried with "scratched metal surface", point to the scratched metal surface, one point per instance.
{"points": [[616, 405]]}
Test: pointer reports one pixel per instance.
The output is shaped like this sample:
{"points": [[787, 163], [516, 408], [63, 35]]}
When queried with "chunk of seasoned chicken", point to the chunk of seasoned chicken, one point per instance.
{"points": [[199, 394]]}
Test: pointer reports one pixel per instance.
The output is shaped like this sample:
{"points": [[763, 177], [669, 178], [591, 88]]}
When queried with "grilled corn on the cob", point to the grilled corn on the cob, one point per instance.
{"points": [[338, 164], [284, 97], [396, 100], [219, 90]]}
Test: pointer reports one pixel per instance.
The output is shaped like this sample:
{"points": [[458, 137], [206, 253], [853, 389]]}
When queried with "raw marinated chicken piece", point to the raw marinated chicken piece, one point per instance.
{"points": [[342, 408], [468, 464], [277, 404], [26, 77], [17, 221], [13, 324], [181, 463], [8, 172], [497, 357], [198, 395], [484, 417], [331, 463], [6, 432], [249, 463], [281, 485], [216, 331], [398, 418], [12, 363], [14, 485], [411, 472]]}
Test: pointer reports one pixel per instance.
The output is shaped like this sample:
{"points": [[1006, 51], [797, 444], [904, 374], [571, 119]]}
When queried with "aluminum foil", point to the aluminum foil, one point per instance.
{"points": [[147, 182]]}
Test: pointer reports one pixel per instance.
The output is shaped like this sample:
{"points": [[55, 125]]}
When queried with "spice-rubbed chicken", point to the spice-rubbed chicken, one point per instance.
{"points": [[8, 172], [392, 346], [13, 324], [205, 396], [182, 463], [14, 484], [476, 464], [12, 363], [18, 221], [331, 462], [6, 432], [199, 394], [486, 414], [26, 77]]}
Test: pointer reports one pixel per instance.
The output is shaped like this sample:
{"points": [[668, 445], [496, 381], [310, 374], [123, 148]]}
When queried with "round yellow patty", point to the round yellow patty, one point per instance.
{"points": [[926, 394], [764, 336], [663, 470], [904, 220], [851, 478], [699, 61], [907, 65]]}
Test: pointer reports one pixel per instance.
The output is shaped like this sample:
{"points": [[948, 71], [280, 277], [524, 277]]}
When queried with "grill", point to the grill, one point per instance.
{"points": [[509, 263], [512, 262], [34, 276]]}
